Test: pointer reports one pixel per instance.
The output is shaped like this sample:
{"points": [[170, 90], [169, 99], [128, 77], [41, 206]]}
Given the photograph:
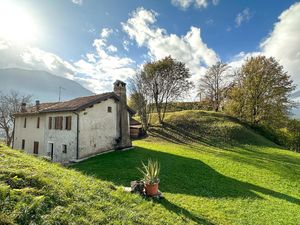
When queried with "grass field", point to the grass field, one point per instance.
{"points": [[213, 171]]}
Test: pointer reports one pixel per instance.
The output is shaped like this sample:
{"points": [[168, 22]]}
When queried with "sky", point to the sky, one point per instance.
{"points": [[96, 42]]}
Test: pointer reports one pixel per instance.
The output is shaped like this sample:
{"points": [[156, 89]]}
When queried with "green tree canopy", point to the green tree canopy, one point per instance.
{"points": [[261, 92]]}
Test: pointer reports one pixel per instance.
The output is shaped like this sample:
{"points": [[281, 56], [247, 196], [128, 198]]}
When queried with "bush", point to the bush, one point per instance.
{"points": [[287, 136]]}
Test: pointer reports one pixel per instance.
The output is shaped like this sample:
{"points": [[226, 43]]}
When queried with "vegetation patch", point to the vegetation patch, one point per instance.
{"points": [[208, 178], [33, 191]]}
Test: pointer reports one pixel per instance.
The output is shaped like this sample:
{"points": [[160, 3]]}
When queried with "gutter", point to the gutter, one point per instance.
{"points": [[77, 136]]}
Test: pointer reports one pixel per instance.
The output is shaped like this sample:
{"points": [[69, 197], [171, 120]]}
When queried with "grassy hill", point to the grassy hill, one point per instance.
{"points": [[213, 171], [33, 191]]}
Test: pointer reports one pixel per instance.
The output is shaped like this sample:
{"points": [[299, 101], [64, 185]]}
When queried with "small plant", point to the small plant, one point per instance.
{"points": [[150, 172], [151, 180]]}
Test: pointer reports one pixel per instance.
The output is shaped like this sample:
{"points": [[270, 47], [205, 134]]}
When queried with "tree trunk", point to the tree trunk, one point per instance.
{"points": [[8, 137]]}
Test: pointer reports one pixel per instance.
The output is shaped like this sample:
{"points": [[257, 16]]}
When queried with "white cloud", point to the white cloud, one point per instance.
{"points": [[189, 48], [101, 68], [243, 17], [184, 4], [33, 58], [96, 71], [283, 43], [106, 32], [77, 2], [125, 45], [112, 48]]}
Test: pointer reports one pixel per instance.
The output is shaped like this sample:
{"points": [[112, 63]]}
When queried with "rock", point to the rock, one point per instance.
{"points": [[137, 187]]}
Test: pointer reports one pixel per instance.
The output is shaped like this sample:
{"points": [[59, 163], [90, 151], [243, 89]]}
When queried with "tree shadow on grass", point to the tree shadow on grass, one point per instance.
{"points": [[178, 175], [181, 211]]}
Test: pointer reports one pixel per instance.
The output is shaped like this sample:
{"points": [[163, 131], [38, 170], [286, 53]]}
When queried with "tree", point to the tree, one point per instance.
{"points": [[9, 104], [139, 99], [164, 81], [214, 83], [261, 92]]}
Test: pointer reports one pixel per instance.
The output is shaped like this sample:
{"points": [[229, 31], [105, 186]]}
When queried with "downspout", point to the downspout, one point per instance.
{"points": [[13, 134], [77, 136]]}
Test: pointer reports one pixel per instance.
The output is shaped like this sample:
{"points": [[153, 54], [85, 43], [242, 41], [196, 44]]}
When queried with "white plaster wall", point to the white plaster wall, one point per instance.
{"points": [[98, 128], [61, 137], [98, 131], [30, 134]]}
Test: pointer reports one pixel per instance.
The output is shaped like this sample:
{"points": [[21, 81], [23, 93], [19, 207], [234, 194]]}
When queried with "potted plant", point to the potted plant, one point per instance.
{"points": [[151, 180]]}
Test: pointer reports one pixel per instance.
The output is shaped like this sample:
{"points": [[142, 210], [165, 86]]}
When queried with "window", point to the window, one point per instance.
{"points": [[38, 123], [68, 122], [50, 123], [25, 120], [36, 147], [58, 123], [64, 148], [109, 109], [23, 144]]}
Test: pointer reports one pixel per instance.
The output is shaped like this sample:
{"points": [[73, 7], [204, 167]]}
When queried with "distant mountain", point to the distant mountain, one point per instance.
{"points": [[41, 85]]}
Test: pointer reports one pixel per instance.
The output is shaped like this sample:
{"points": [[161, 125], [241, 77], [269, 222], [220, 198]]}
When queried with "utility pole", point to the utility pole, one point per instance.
{"points": [[59, 92]]}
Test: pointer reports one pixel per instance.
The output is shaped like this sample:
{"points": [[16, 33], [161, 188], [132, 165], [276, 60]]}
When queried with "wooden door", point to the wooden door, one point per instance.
{"points": [[51, 150], [36, 147]]}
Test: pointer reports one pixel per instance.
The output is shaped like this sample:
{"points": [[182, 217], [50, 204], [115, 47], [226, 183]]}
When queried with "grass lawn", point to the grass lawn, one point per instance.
{"points": [[213, 171]]}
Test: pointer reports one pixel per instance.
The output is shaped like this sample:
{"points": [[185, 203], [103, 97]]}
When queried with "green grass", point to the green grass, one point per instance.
{"points": [[33, 191], [213, 171]]}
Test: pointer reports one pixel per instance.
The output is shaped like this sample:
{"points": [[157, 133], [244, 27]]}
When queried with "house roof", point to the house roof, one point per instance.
{"points": [[76, 104]]}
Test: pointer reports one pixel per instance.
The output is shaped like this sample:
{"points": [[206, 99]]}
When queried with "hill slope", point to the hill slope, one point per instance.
{"points": [[42, 85], [33, 191], [213, 171]]}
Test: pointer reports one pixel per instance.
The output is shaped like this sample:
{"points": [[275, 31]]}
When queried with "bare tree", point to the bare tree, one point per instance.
{"points": [[214, 83], [140, 100], [9, 104]]}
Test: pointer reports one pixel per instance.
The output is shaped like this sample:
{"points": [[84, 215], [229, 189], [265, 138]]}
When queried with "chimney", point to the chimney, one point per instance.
{"points": [[37, 105], [123, 116], [23, 107]]}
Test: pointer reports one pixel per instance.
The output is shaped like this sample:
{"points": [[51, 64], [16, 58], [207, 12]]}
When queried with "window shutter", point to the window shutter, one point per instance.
{"points": [[38, 123], [60, 122], [50, 123], [56, 123], [68, 122]]}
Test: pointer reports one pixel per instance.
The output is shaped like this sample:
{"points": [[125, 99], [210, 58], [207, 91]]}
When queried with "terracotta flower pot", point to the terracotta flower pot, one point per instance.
{"points": [[151, 189]]}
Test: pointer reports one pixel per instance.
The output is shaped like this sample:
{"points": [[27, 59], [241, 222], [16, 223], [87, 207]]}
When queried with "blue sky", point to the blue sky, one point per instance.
{"points": [[67, 37]]}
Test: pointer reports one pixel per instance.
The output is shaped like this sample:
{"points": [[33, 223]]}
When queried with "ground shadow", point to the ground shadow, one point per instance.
{"points": [[178, 175], [181, 211]]}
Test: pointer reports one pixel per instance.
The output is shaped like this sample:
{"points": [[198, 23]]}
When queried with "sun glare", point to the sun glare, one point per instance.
{"points": [[16, 25]]}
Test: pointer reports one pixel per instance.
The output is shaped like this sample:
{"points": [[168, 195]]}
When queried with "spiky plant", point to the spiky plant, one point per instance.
{"points": [[150, 171]]}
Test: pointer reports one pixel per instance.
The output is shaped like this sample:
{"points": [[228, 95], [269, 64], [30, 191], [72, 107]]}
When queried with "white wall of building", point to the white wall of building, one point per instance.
{"points": [[98, 131], [45, 136], [30, 134], [98, 128], [61, 137]]}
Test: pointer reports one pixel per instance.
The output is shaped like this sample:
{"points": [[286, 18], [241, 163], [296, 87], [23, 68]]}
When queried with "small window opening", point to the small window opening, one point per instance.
{"points": [[23, 144], [64, 148]]}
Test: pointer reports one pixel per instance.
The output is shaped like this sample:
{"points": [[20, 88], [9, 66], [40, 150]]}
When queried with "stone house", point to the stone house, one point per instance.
{"points": [[75, 129]]}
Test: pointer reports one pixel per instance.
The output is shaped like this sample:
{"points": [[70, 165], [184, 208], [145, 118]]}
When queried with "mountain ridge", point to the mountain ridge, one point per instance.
{"points": [[42, 85]]}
